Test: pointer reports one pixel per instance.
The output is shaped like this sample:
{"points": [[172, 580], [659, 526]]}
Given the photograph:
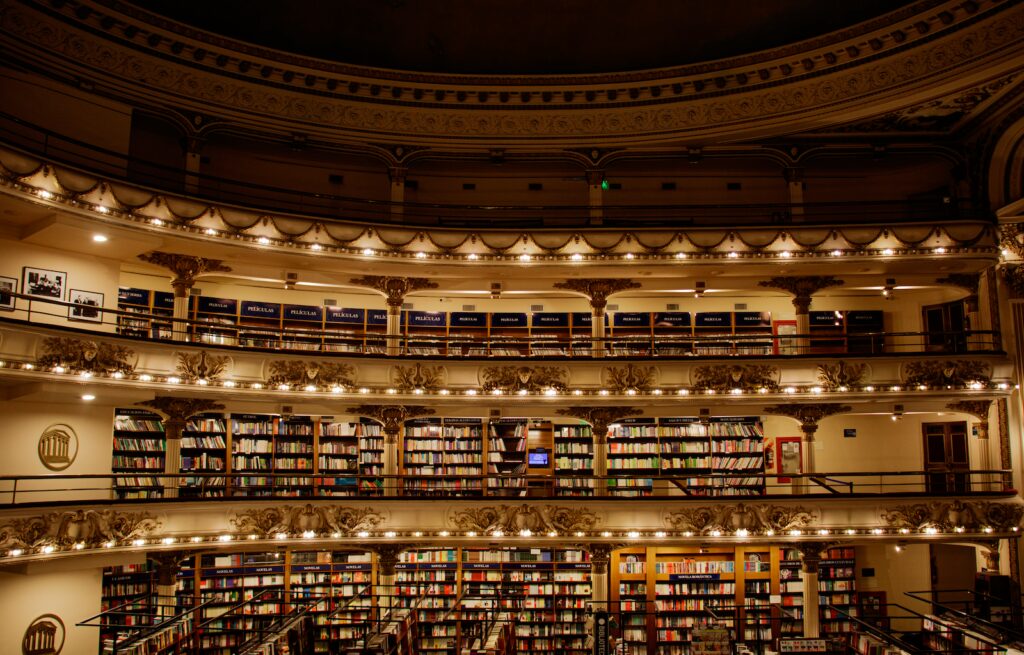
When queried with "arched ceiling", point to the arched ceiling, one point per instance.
{"points": [[521, 37]]}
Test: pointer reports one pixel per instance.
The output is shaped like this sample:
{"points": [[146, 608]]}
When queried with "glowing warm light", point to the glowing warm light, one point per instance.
{"points": [[421, 255], [308, 534], [310, 387], [630, 255], [368, 252], [837, 253], [363, 534], [47, 549], [263, 241], [742, 532], [157, 222], [470, 392], [471, 533], [210, 231], [524, 257], [526, 533], [576, 257], [45, 195], [173, 380], [716, 533], [659, 534], [887, 252], [224, 537], [85, 374], [101, 209], [88, 396], [785, 254], [257, 385], [733, 255], [680, 255], [100, 238]]}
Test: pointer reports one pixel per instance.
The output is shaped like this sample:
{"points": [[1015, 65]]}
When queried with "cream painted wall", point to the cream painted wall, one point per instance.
{"points": [[72, 595], [24, 422], [895, 572], [84, 273]]}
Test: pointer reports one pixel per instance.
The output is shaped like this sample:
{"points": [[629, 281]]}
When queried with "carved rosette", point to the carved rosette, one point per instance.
{"points": [[809, 414], [201, 366], [802, 287], [842, 374], [600, 418], [392, 416], [83, 526], [729, 518], [300, 373], [78, 355], [630, 376], [517, 519], [971, 515], [949, 373], [748, 377], [524, 378], [597, 289], [298, 519], [428, 378], [185, 268], [395, 289]]}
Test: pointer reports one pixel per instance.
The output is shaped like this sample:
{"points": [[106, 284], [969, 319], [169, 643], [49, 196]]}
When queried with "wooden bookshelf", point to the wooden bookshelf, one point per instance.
{"points": [[631, 334], [338, 455], [220, 318], [436, 452], [204, 450], [550, 334], [344, 329], [259, 324], [467, 334], [426, 332], [673, 332], [294, 454], [136, 301], [633, 453], [303, 326], [334, 578], [139, 447], [509, 334], [252, 454], [574, 455], [506, 456]]}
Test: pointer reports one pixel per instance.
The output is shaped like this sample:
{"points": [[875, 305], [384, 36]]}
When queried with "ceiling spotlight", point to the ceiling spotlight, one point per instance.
{"points": [[699, 287], [100, 238], [316, 246], [576, 257], [88, 396]]}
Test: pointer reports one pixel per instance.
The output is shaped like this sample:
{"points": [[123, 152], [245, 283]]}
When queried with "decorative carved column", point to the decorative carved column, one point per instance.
{"points": [[395, 289], [600, 418], [387, 559], [811, 552], [600, 557], [795, 182], [175, 413], [802, 288], [167, 567], [969, 282], [185, 269], [809, 414], [597, 291], [979, 409], [396, 176], [595, 197], [392, 417]]}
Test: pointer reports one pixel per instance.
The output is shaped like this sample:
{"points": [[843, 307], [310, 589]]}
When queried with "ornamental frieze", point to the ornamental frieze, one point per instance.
{"points": [[729, 518], [78, 355], [948, 373], [201, 366], [842, 375], [83, 526], [630, 377], [954, 515], [748, 377], [298, 519], [418, 376], [298, 374], [514, 519], [533, 379]]}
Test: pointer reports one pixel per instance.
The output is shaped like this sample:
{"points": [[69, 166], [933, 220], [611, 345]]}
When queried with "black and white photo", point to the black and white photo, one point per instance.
{"points": [[8, 285], [86, 306], [43, 283]]}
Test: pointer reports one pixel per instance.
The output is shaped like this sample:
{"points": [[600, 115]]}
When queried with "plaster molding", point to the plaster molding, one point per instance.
{"points": [[747, 377], [298, 519], [727, 518], [300, 373], [533, 379], [514, 519], [86, 355]]}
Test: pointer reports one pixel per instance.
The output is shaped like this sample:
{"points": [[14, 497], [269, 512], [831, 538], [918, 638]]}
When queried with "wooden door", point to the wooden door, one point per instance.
{"points": [[945, 327], [946, 458]]}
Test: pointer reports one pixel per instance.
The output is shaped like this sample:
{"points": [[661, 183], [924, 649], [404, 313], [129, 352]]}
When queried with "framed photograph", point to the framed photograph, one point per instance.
{"points": [[8, 285], [43, 283], [86, 306]]}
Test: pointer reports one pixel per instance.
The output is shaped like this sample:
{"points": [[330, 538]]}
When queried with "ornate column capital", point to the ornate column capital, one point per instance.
{"points": [[990, 551], [167, 566], [812, 554], [176, 411], [600, 557], [387, 558], [809, 414], [600, 417], [976, 408], [597, 289], [185, 268], [392, 416], [395, 289], [802, 287]]}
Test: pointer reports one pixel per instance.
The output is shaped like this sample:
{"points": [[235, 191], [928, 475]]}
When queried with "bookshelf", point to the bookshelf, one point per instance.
{"points": [[371, 457], [633, 452], [686, 583], [737, 449], [837, 587], [755, 565], [550, 334], [673, 333], [506, 456], [343, 581], [574, 455], [426, 332], [125, 584], [438, 452], [509, 334], [252, 454], [163, 305], [303, 325], [467, 334], [294, 454], [139, 447], [338, 457], [837, 331], [136, 301], [431, 577], [629, 595], [259, 324], [204, 450], [376, 328], [686, 452], [581, 333], [221, 318], [631, 334], [753, 331], [712, 324], [344, 328]]}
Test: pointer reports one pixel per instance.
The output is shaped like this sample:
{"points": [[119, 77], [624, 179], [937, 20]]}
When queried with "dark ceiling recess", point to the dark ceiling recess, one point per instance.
{"points": [[520, 37]]}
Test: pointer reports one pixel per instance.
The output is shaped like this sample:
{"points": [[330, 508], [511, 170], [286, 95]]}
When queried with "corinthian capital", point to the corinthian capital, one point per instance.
{"points": [[185, 268], [395, 289]]}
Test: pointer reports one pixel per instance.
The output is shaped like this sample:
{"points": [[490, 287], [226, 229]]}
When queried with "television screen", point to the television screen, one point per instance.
{"points": [[539, 458]]}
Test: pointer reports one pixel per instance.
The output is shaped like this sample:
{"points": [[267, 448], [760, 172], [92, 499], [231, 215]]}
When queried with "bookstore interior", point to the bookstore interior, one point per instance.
{"points": [[410, 328]]}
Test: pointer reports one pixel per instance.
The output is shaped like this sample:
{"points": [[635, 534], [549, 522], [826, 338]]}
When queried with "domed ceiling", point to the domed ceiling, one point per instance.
{"points": [[521, 37]]}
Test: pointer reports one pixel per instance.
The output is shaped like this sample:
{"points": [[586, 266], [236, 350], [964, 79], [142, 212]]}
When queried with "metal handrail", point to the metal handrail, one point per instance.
{"points": [[1008, 633]]}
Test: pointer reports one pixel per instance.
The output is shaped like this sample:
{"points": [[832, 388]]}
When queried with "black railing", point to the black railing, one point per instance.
{"points": [[189, 486], [163, 328], [91, 159]]}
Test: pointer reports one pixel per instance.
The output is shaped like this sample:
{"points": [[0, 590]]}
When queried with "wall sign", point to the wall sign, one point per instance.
{"points": [[58, 447], [849, 433], [44, 636]]}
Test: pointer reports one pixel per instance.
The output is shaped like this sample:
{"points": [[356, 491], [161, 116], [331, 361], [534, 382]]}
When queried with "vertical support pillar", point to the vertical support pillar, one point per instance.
{"points": [[387, 558], [179, 326], [597, 291], [173, 427], [595, 196], [600, 437], [597, 342], [802, 288], [392, 417], [396, 188], [795, 183], [809, 430], [802, 305], [600, 556], [392, 441], [394, 329], [168, 566], [809, 568], [395, 290], [185, 270]]}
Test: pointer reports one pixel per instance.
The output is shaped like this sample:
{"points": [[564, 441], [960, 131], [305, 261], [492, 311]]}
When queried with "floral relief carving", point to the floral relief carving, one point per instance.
{"points": [[938, 373], [729, 518], [297, 519], [972, 515], [630, 376], [842, 374], [85, 526], [748, 377], [428, 378], [201, 366], [524, 378], [299, 373], [514, 519], [86, 355]]}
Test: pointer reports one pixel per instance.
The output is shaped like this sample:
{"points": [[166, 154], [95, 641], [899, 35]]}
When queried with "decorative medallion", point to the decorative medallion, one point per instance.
{"points": [[201, 366], [308, 518], [748, 377], [729, 518], [841, 374], [630, 376], [953, 373], [428, 378], [44, 636], [298, 374], [519, 519], [524, 378], [78, 355], [58, 447]]}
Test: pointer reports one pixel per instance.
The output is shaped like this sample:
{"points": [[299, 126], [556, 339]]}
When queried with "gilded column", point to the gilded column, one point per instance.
{"points": [[167, 567], [809, 568], [395, 289], [176, 412], [393, 418], [597, 291], [185, 270], [802, 288]]}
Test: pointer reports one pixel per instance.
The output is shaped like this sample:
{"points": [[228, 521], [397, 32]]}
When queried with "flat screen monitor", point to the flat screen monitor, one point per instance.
{"points": [[538, 458]]}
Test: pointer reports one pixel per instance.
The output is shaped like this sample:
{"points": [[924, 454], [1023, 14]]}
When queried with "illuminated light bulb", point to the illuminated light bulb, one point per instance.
{"points": [[336, 535], [795, 533], [196, 540], [526, 533], [85, 374], [687, 534], [790, 389], [683, 392], [887, 252], [1002, 386], [958, 528], [390, 534], [167, 541], [659, 534], [336, 389], [101, 209], [308, 534], [224, 537], [823, 532], [1014, 529], [869, 388], [310, 387], [100, 238], [580, 533], [680, 255], [210, 231], [716, 533], [173, 380], [470, 392], [785, 254], [577, 392], [108, 544], [45, 195], [550, 392], [894, 387], [851, 531], [88, 396], [498, 533], [280, 535], [975, 385], [368, 252], [522, 392], [444, 392], [843, 389], [742, 532], [139, 542], [763, 390], [524, 257], [940, 251], [769, 533], [202, 382], [157, 222], [904, 530], [496, 392], [263, 241], [421, 255], [17, 552], [252, 537], [472, 256], [930, 531], [28, 367], [418, 391], [877, 531], [552, 534], [630, 392], [283, 387], [46, 550], [606, 534], [633, 534], [736, 392], [709, 392], [898, 548], [257, 385], [987, 530], [576, 257], [364, 390], [815, 389], [922, 387], [603, 392], [471, 533], [58, 369], [733, 255], [362, 534], [630, 255], [417, 534], [80, 545], [1005, 251], [837, 253]]}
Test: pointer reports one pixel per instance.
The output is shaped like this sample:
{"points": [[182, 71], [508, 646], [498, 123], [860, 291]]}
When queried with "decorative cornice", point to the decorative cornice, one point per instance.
{"points": [[418, 376], [532, 379], [802, 287], [726, 518], [83, 526], [78, 355], [201, 366], [178, 409], [395, 289], [185, 268], [299, 519], [516, 519], [597, 289], [300, 374], [809, 414], [748, 377], [976, 408], [600, 417], [951, 515], [969, 282], [841, 375], [630, 377], [949, 373], [392, 416]]}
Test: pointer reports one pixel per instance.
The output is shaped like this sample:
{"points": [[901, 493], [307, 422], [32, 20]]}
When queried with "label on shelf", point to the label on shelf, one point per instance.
{"points": [[131, 296], [347, 315], [253, 309], [672, 319], [550, 319], [303, 313], [690, 577], [429, 319], [468, 319], [509, 319], [217, 305]]}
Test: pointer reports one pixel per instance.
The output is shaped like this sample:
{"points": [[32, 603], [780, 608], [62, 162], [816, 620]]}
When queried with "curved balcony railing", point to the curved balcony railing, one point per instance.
{"points": [[163, 328], [188, 486], [42, 142]]}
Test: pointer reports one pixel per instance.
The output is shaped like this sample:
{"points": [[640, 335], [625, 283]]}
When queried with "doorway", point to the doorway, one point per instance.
{"points": [[945, 327], [946, 457]]}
